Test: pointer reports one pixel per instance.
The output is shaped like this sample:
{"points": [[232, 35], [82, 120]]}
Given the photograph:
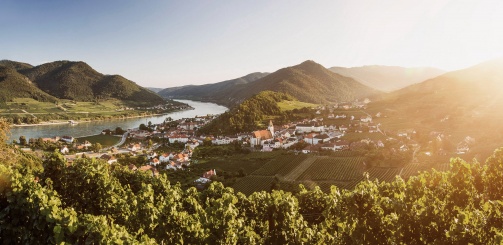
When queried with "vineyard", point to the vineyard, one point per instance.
{"points": [[415, 168], [345, 154], [253, 183], [334, 168], [344, 169], [281, 165], [383, 174]]}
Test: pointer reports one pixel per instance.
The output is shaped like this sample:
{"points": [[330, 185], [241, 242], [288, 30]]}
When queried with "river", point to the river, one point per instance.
{"points": [[95, 127]]}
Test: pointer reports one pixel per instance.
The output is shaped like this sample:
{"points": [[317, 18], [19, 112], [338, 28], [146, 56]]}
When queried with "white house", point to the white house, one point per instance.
{"points": [[181, 138], [64, 150], [366, 119], [165, 157], [310, 127]]}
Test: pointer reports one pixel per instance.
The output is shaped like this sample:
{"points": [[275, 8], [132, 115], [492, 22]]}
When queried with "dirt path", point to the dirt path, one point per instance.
{"points": [[303, 166]]}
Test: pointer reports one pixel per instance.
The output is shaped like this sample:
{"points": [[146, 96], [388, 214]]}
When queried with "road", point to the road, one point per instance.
{"points": [[123, 139]]}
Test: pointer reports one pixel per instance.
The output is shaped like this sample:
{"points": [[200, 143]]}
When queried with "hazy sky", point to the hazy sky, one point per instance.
{"points": [[170, 43]]}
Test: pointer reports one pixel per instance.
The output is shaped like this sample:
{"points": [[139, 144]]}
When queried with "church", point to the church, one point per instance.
{"points": [[258, 137]]}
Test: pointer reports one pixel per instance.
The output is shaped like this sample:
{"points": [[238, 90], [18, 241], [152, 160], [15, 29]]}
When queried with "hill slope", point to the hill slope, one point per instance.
{"points": [[215, 92], [248, 115], [78, 81], [15, 65], [15, 85], [461, 103], [308, 82], [388, 78]]}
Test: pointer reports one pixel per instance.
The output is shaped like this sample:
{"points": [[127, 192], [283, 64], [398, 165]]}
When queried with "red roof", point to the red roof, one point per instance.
{"points": [[262, 134]]}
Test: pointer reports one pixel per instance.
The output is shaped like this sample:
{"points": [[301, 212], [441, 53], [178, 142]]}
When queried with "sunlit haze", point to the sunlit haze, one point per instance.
{"points": [[171, 43]]}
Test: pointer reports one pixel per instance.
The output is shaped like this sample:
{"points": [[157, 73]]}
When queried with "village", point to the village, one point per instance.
{"points": [[169, 146]]}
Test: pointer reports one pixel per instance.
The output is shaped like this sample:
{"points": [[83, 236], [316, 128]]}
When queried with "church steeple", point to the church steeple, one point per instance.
{"points": [[271, 128]]}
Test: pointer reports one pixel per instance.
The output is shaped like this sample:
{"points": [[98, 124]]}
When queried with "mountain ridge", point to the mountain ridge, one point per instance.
{"points": [[308, 81], [76, 80], [388, 78]]}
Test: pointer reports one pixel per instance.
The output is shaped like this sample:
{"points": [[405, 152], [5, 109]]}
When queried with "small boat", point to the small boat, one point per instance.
{"points": [[72, 122]]}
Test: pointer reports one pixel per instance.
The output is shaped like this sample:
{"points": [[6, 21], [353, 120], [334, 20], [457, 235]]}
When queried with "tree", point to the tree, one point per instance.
{"points": [[97, 147], [143, 127], [22, 140], [119, 131]]}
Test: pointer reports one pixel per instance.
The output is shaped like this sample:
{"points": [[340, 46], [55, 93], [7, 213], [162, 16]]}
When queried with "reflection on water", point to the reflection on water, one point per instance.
{"points": [[92, 128]]}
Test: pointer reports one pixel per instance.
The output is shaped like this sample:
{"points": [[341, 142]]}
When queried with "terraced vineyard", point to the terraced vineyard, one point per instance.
{"points": [[334, 168], [345, 154], [253, 183], [414, 168], [383, 174], [342, 169], [281, 165]]}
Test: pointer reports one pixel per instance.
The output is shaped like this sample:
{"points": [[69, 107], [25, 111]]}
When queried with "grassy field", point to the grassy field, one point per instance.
{"points": [[33, 106], [66, 110], [104, 140], [287, 105]]}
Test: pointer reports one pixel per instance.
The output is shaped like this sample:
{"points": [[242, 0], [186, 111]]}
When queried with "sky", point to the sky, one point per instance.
{"points": [[172, 43]]}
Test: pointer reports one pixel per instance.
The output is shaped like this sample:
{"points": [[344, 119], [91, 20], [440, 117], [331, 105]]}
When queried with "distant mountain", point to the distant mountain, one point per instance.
{"points": [[466, 102], [15, 65], [215, 92], [78, 81], [388, 78], [155, 90], [309, 82], [15, 85]]}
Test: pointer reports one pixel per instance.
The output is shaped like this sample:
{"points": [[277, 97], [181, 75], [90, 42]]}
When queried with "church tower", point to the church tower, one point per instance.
{"points": [[271, 128]]}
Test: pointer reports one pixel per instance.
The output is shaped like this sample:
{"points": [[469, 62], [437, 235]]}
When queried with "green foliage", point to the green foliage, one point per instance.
{"points": [[247, 116]]}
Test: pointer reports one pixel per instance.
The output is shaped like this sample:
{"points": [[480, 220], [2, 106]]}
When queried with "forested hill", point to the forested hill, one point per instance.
{"points": [[388, 78], [308, 82], [78, 81], [248, 115], [215, 92], [15, 85]]}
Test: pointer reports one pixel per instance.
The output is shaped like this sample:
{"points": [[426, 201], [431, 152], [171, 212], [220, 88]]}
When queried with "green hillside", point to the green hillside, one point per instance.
{"points": [[215, 92], [307, 82], [118, 87], [249, 115], [78, 81], [14, 85], [388, 78]]}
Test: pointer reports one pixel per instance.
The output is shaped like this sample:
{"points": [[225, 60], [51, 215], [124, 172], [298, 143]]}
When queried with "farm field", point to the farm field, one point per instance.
{"points": [[287, 105], [104, 140]]}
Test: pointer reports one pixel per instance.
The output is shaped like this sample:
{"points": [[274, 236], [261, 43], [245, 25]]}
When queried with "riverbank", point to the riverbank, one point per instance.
{"points": [[60, 127], [62, 122]]}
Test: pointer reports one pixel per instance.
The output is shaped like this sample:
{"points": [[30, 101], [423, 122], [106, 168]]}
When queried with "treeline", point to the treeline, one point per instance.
{"points": [[249, 115]]}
